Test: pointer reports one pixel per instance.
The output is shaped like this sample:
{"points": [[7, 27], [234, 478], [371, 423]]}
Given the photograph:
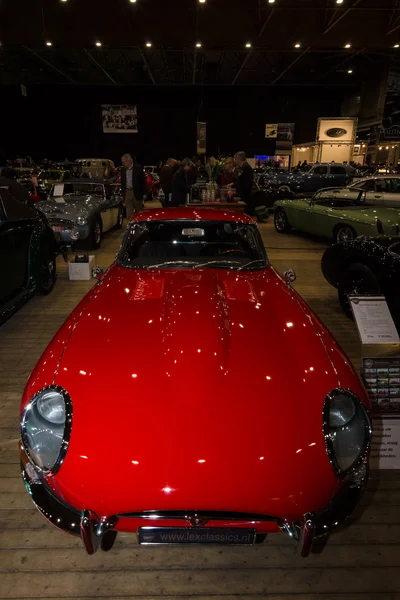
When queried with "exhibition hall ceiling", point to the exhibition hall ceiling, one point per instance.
{"points": [[197, 42]]}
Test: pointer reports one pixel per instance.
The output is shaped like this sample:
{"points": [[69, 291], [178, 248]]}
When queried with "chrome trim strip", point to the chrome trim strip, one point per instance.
{"points": [[192, 515], [307, 536], [66, 433], [327, 433]]}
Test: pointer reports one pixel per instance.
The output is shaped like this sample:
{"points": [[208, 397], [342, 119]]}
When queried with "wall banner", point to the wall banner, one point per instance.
{"points": [[201, 137], [336, 130], [284, 138], [271, 131], [119, 118]]}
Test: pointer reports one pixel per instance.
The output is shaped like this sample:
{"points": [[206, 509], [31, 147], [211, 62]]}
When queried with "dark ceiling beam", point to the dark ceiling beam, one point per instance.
{"points": [[333, 24], [290, 66], [49, 64], [393, 17], [244, 61], [343, 62], [147, 66], [167, 66], [267, 20], [98, 65]]}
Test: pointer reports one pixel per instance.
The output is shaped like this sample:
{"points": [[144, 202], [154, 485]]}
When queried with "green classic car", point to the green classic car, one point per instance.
{"points": [[336, 217]]}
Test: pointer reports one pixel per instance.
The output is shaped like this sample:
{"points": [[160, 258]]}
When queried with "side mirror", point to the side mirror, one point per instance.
{"points": [[98, 272], [289, 277]]}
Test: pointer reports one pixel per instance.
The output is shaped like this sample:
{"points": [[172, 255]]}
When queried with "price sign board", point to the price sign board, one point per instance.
{"points": [[374, 321], [385, 447]]}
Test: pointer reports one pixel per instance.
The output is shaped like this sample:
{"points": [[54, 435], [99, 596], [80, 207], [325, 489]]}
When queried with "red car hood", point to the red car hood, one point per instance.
{"points": [[196, 390]]}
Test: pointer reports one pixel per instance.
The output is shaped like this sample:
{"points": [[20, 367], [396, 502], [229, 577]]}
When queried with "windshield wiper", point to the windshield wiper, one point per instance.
{"points": [[217, 262], [253, 262], [172, 262]]}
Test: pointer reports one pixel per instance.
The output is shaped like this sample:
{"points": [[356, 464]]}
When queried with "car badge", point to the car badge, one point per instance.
{"points": [[196, 521]]}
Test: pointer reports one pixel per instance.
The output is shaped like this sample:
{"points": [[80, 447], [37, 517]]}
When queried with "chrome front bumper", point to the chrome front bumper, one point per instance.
{"points": [[97, 532]]}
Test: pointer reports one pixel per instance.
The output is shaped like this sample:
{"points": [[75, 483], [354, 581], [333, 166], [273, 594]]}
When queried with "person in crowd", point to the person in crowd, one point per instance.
{"points": [[228, 174], [304, 165], [244, 180], [133, 185], [181, 183], [166, 175], [17, 190]]}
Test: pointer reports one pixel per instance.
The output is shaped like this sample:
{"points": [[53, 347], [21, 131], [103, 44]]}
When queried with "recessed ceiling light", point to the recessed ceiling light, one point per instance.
{"points": [[148, 44], [297, 45], [198, 45], [98, 44], [271, 1], [63, 0], [248, 45], [202, 1], [396, 46], [339, 1], [49, 43], [132, 1], [348, 46], [350, 71]]}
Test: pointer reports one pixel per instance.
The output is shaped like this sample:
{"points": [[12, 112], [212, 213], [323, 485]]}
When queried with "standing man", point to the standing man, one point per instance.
{"points": [[181, 184], [166, 175], [133, 185], [244, 181]]}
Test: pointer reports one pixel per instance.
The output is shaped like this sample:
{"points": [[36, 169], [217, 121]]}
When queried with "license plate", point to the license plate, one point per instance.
{"points": [[58, 228], [203, 535]]}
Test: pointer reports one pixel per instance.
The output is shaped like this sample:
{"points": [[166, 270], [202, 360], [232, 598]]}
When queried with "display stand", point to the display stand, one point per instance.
{"points": [[380, 371]]}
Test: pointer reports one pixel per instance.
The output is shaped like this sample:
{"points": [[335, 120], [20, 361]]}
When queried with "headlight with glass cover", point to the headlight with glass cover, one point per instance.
{"points": [[46, 428], [347, 430], [81, 220]]}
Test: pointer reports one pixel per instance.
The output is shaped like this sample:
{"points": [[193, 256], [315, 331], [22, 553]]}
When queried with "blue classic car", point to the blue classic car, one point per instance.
{"points": [[82, 210], [319, 176]]}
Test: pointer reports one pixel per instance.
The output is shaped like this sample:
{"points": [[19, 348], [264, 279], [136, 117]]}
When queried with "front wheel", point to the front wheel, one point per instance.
{"points": [[284, 188], [95, 235], [281, 221], [48, 277], [344, 234]]}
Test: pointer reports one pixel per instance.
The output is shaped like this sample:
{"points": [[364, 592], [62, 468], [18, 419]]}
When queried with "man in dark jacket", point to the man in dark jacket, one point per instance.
{"points": [[133, 185], [244, 180], [181, 183], [166, 176]]}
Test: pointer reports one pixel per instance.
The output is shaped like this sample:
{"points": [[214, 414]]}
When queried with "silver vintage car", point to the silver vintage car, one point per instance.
{"points": [[81, 210]]}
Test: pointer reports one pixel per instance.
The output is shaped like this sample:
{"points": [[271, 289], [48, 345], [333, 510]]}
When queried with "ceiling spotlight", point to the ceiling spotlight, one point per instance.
{"points": [[350, 71], [396, 46], [198, 45], [202, 1], [271, 1], [348, 46], [98, 44], [339, 1], [63, 0], [148, 44], [132, 1], [297, 45], [49, 43], [248, 45]]}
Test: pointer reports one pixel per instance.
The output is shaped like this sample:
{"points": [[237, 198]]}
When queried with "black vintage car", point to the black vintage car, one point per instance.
{"points": [[28, 250], [365, 266]]}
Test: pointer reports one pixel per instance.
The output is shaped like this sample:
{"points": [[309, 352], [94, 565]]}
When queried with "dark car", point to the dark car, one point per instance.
{"points": [[365, 266], [318, 177], [28, 251]]}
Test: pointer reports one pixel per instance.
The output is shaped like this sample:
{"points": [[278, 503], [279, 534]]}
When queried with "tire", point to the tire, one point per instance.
{"points": [[344, 233], [48, 278], [284, 188], [281, 221], [120, 220], [359, 280], [94, 240]]}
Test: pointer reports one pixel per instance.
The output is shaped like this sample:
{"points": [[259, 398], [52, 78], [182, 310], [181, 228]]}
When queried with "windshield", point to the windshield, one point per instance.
{"points": [[192, 244], [78, 189]]}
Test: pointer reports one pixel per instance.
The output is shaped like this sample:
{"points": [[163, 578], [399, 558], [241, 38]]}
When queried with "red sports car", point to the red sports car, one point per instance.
{"points": [[248, 419]]}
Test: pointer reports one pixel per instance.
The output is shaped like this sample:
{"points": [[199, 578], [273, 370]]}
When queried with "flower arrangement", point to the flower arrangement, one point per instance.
{"points": [[213, 168]]}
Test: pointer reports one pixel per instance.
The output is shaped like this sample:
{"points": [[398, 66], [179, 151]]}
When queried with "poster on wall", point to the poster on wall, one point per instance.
{"points": [[336, 130], [391, 121], [201, 137], [284, 138], [271, 131], [119, 118]]}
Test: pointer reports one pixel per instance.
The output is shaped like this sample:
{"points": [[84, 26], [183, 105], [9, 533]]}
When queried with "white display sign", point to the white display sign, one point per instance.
{"points": [[58, 189], [336, 130], [374, 321], [385, 446]]}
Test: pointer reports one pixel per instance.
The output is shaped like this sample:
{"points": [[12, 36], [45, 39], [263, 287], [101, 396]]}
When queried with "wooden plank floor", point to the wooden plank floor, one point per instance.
{"points": [[359, 562]]}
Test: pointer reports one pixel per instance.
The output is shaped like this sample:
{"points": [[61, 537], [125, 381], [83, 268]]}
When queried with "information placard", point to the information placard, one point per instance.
{"points": [[385, 447], [374, 321], [381, 377]]}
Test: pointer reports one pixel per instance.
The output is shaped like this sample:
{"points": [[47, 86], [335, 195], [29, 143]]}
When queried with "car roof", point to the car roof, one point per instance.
{"points": [[192, 214], [380, 176]]}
